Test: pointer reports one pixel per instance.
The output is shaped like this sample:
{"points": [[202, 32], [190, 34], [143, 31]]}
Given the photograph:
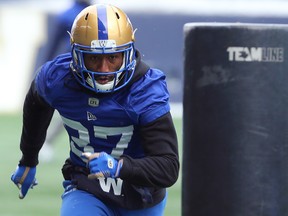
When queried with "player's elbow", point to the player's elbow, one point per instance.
{"points": [[171, 172]]}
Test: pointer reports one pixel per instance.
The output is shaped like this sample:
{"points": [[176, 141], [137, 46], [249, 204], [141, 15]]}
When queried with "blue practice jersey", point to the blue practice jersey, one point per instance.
{"points": [[102, 122]]}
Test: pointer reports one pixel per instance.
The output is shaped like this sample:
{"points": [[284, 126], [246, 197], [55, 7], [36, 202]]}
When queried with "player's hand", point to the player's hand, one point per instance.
{"points": [[24, 179], [102, 165]]}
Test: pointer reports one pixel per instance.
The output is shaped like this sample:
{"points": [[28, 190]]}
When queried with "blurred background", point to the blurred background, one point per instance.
{"points": [[25, 32]]}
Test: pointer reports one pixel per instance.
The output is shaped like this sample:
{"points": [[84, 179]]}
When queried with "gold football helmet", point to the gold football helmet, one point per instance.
{"points": [[102, 29]]}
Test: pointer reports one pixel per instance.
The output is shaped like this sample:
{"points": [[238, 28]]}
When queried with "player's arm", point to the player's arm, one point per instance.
{"points": [[160, 167], [36, 117]]}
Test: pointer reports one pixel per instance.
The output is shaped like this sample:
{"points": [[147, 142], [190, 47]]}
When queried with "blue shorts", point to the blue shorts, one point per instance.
{"points": [[78, 202]]}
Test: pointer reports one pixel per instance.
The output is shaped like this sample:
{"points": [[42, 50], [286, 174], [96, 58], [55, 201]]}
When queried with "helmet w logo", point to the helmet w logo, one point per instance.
{"points": [[102, 43]]}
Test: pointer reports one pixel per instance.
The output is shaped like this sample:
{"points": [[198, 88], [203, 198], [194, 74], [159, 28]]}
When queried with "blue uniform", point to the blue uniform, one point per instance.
{"points": [[133, 124], [106, 122]]}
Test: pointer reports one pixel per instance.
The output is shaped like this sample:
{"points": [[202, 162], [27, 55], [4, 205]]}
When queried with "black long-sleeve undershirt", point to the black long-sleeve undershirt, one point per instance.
{"points": [[37, 116]]}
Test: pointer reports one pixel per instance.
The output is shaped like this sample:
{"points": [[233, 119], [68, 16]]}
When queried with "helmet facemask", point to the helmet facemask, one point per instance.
{"points": [[88, 78]]}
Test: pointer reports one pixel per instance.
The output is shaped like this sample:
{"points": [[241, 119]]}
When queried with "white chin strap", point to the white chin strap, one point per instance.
{"points": [[101, 87]]}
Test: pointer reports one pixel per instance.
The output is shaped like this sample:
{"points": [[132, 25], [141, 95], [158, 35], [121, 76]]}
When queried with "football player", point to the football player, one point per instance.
{"points": [[115, 109]]}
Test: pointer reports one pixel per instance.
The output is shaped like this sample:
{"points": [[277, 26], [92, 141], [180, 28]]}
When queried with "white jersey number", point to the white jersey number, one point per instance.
{"points": [[83, 139]]}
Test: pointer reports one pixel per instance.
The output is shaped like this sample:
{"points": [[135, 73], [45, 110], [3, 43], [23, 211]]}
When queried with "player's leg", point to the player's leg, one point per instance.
{"points": [[155, 210], [78, 202]]}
